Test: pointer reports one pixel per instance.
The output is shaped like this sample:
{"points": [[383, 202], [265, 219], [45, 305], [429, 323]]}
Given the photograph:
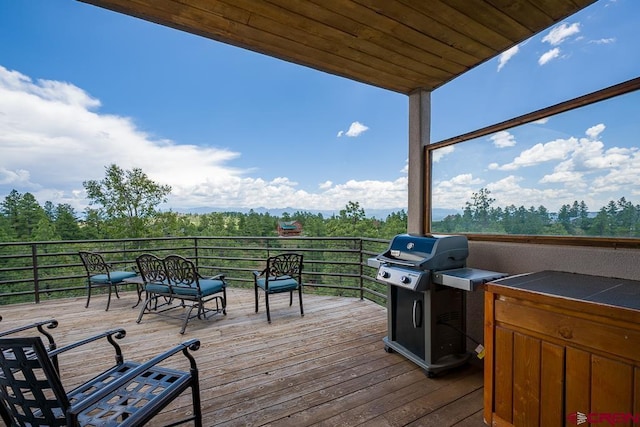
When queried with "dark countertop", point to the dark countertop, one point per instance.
{"points": [[603, 290]]}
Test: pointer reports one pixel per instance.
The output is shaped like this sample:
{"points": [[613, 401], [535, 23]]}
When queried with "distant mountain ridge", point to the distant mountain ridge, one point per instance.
{"points": [[382, 214]]}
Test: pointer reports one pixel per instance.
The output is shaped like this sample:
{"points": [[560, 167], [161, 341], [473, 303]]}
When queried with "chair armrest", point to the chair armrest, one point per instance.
{"points": [[50, 324], [193, 345], [109, 335], [220, 276], [257, 273]]}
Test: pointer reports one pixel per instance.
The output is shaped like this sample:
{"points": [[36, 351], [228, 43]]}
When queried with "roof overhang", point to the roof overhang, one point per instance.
{"points": [[401, 45]]}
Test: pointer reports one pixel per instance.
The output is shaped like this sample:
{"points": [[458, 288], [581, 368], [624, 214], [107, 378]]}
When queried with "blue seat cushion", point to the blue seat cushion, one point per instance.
{"points": [[207, 287], [157, 288], [116, 277], [279, 284]]}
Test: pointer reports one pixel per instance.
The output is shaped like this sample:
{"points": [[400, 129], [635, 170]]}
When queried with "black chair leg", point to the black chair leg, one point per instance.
{"points": [[266, 298], [300, 295], [88, 295], [256, 291], [108, 299], [224, 301], [195, 395], [290, 298]]}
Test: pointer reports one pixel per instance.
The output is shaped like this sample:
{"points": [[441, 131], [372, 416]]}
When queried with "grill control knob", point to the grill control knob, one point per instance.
{"points": [[406, 280], [385, 274]]}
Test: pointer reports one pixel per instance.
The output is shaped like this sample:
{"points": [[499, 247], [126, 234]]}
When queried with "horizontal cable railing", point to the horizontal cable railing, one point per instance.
{"points": [[36, 271]]}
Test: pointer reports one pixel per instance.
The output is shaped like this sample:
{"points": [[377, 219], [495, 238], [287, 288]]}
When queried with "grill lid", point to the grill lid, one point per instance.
{"points": [[427, 252]]}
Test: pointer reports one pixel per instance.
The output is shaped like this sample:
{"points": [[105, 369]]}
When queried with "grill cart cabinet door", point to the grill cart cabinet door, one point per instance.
{"points": [[408, 324], [562, 349]]}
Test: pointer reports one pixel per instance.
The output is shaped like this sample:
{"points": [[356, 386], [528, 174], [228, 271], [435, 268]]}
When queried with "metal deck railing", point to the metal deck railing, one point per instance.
{"points": [[36, 271]]}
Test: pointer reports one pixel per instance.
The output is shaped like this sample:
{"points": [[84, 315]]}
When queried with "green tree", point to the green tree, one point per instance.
{"points": [[396, 223], [66, 222], [350, 222], [127, 199], [312, 225], [481, 207], [23, 213], [601, 224], [45, 230]]}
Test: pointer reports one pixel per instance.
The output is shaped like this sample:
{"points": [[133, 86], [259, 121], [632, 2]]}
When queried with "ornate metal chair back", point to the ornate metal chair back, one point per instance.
{"points": [[181, 272], [151, 268], [289, 264], [94, 263]]}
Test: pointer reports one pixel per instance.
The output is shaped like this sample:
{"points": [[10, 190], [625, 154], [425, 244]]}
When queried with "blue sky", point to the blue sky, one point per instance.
{"points": [[82, 87]]}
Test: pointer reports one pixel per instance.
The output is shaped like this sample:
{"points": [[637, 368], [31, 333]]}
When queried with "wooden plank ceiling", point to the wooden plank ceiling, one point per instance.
{"points": [[400, 45]]}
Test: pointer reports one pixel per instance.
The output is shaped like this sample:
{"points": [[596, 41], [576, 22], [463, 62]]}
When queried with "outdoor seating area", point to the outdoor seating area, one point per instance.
{"points": [[174, 283], [327, 368]]}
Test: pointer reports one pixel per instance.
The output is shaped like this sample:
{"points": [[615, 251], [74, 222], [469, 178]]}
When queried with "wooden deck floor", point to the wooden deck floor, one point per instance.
{"points": [[328, 368]]}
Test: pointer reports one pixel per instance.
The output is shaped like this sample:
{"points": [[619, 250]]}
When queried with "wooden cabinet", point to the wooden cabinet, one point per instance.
{"points": [[562, 348]]}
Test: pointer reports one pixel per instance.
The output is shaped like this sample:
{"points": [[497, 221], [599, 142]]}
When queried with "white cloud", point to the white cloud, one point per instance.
{"points": [[564, 177], [594, 131], [503, 139], [465, 179], [52, 138], [17, 177], [549, 55], [355, 130], [624, 174], [455, 192], [560, 33], [326, 185], [506, 56], [558, 149], [555, 37], [440, 153], [603, 41], [541, 121], [510, 191]]}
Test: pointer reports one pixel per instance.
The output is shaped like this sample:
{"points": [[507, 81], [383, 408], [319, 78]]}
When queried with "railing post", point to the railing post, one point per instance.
{"points": [[361, 271], [195, 250], [36, 282]]}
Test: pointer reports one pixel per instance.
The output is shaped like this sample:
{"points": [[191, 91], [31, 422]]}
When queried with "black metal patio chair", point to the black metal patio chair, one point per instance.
{"points": [[49, 324], [283, 273], [101, 274], [128, 394], [180, 286]]}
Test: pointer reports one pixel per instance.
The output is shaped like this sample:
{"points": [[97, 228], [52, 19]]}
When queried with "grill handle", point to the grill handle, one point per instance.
{"points": [[416, 313]]}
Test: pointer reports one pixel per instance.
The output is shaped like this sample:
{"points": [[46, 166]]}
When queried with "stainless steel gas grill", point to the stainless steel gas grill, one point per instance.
{"points": [[426, 298]]}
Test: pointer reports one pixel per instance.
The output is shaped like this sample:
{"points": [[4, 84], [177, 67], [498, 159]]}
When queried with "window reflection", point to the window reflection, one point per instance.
{"points": [[574, 173]]}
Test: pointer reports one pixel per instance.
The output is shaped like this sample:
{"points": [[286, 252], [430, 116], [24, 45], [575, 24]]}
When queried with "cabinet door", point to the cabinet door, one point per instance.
{"points": [[409, 320], [528, 379], [600, 386]]}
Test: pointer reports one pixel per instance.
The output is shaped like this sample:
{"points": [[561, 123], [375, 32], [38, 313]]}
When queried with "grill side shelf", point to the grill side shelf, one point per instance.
{"points": [[465, 278]]}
